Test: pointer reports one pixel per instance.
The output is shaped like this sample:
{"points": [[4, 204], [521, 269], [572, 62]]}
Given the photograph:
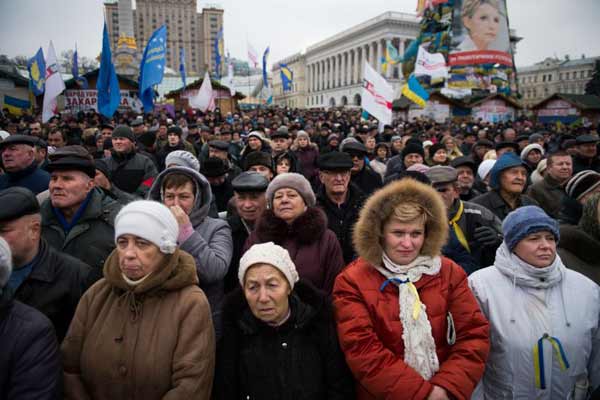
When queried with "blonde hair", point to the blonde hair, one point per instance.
{"points": [[470, 6], [410, 212]]}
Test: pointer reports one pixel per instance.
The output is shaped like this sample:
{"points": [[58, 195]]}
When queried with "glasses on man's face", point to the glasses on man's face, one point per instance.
{"points": [[442, 189]]}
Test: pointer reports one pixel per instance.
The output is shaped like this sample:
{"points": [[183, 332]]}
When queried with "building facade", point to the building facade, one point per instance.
{"points": [[541, 80], [296, 96], [329, 74], [186, 28]]}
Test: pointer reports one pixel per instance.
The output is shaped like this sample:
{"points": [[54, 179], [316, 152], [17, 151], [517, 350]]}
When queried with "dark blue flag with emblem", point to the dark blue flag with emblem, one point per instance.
{"points": [[152, 67], [182, 65], [109, 95], [218, 53], [75, 71], [37, 72]]}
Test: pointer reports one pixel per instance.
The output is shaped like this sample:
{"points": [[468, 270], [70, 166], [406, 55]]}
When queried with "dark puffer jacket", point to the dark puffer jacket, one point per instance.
{"points": [[300, 359], [54, 286], [29, 357]]}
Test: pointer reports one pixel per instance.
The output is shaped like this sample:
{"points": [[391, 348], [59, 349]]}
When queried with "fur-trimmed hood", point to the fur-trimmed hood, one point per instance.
{"points": [[377, 210], [307, 228]]}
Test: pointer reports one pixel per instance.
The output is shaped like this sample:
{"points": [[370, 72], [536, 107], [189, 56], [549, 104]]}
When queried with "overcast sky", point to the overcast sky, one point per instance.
{"points": [[548, 27]]}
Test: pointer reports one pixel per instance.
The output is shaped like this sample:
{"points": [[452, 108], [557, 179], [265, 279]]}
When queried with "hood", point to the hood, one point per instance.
{"points": [[379, 207], [203, 192], [524, 274]]}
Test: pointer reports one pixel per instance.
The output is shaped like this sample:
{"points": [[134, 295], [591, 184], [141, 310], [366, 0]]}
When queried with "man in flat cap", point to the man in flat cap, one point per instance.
{"points": [[215, 171], [340, 199], [43, 277], [280, 144], [586, 154], [78, 218], [261, 162], [473, 228], [465, 168], [131, 171], [250, 201], [362, 175], [220, 149], [20, 167]]}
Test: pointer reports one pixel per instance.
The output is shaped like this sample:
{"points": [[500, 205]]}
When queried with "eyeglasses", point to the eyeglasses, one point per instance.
{"points": [[443, 189]]}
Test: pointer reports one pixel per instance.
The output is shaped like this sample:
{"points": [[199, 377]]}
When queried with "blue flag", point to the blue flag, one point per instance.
{"points": [[152, 67], [37, 72], [265, 56], [75, 71], [109, 95], [182, 65], [287, 77], [218, 53]]}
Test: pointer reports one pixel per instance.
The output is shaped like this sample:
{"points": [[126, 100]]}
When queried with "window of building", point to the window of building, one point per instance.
{"points": [[590, 72], [549, 78], [582, 74], [567, 76], [560, 76], [543, 78]]}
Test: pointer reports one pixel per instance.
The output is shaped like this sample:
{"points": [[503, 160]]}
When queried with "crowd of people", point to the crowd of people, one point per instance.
{"points": [[297, 254]]}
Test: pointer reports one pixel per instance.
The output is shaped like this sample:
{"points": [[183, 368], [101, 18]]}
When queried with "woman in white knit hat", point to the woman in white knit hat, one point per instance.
{"points": [[293, 221], [279, 339], [145, 330]]}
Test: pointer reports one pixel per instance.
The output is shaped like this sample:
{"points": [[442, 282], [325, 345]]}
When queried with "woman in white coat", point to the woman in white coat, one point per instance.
{"points": [[544, 318]]}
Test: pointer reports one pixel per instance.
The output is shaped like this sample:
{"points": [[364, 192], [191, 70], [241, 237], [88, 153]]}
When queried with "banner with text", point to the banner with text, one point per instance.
{"points": [[85, 100]]}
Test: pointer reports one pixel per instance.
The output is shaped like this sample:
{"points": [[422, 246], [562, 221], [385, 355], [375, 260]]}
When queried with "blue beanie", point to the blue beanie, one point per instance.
{"points": [[506, 161], [527, 220]]}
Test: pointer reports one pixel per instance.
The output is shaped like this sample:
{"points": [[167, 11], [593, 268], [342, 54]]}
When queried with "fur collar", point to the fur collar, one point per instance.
{"points": [[379, 207], [306, 229]]}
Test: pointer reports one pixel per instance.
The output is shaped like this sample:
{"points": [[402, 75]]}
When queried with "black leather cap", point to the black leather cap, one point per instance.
{"points": [[219, 145], [335, 161], [250, 181], [16, 202], [19, 139]]}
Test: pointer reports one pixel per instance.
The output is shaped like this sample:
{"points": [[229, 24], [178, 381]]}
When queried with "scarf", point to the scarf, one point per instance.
{"points": [[419, 346], [523, 274]]}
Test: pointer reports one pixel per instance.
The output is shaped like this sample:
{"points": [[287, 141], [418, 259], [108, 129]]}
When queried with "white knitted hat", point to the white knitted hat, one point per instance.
{"points": [[149, 220], [272, 254], [183, 158], [484, 168], [534, 146], [5, 262]]}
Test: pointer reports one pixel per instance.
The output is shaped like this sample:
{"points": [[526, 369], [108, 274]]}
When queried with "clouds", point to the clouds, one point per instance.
{"points": [[550, 27]]}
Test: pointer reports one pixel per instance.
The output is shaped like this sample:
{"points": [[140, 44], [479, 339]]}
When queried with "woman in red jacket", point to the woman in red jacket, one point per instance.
{"points": [[408, 324]]}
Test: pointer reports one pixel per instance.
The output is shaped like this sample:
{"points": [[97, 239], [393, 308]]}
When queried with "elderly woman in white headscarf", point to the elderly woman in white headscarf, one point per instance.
{"points": [[145, 330]]}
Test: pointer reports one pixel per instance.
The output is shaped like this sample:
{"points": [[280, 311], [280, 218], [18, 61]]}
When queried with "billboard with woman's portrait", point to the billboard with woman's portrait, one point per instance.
{"points": [[480, 33]]}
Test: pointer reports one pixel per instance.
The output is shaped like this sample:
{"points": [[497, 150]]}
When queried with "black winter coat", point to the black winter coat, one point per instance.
{"points": [[239, 234], [367, 180], [496, 204], [92, 239], [30, 367], [341, 220], [130, 171], [299, 360], [54, 286]]}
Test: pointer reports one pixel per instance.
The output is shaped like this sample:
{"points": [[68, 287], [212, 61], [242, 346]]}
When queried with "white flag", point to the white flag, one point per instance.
{"points": [[377, 95], [205, 98], [433, 65], [228, 80], [252, 56], [54, 85]]}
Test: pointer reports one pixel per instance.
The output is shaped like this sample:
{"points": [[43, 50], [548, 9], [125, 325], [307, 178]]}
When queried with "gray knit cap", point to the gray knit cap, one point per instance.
{"points": [[5, 262], [294, 181], [183, 158]]}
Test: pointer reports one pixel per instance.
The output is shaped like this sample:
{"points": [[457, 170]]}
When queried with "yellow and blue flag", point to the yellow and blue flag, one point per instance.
{"points": [[37, 72], [391, 57], [16, 106], [152, 67], [287, 77], [415, 92], [109, 95], [218, 53]]}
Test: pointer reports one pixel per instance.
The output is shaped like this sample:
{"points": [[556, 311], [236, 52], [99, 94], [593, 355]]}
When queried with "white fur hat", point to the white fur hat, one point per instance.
{"points": [[272, 254], [484, 168], [5, 262], [149, 220]]}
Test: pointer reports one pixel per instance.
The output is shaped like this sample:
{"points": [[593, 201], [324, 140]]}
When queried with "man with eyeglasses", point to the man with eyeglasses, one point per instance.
{"points": [[473, 228], [340, 199]]}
